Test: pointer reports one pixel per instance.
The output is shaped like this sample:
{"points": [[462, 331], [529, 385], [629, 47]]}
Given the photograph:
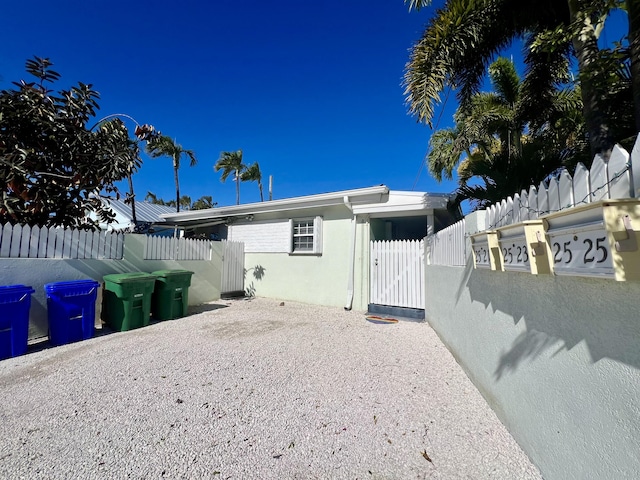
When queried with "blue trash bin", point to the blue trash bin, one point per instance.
{"points": [[15, 302], [71, 309]]}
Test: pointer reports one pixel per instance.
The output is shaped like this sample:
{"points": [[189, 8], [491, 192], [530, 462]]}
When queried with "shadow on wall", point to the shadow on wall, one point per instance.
{"points": [[561, 312], [257, 273]]}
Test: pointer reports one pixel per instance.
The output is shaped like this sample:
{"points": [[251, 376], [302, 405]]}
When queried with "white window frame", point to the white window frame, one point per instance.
{"points": [[317, 236]]}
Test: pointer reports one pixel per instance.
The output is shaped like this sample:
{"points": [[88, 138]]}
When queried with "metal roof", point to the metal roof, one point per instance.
{"points": [[145, 211]]}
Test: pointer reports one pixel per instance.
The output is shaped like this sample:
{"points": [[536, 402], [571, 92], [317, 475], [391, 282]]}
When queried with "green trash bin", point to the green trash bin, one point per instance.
{"points": [[126, 303], [171, 295]]}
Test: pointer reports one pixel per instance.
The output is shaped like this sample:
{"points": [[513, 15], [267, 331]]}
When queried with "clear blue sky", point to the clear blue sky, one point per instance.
{"points": [[312, 91]]}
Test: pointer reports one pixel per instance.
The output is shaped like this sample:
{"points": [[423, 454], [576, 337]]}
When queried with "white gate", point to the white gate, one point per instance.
{"points": [[397, 273], [232, 266]]}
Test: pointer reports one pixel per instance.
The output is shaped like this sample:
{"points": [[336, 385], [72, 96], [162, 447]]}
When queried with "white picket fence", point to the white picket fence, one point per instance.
{"points": [[232, 266], [23, 241], [397, 273], [448, 246], [171, 248], [617, 178]]}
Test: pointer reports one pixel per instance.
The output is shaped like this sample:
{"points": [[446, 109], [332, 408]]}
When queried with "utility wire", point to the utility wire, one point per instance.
{"points": [[498, 222]]}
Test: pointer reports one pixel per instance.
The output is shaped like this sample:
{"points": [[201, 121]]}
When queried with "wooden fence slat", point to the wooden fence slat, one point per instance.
{"points": [[635, 168], [581, 187], [565, 190], [523, 214], [543, 199], [618, 174], [16, 235], [25, 238], [33, 242], [75, 244], [598, 179], [553, 194], [533, 203]]}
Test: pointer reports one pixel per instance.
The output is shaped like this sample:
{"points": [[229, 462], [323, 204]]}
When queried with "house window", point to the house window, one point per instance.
{"points": [[306, 236]]}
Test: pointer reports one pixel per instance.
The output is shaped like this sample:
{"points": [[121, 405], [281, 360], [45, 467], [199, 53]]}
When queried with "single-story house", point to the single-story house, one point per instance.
{"points": [[316, 249]]}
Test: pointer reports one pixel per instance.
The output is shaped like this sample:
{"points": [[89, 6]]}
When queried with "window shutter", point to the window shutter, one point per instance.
{"points": [[317, 235], [290, 235]]}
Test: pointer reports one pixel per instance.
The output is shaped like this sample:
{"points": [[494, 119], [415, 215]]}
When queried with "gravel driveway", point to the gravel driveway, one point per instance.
{"points": [[252, 389]]}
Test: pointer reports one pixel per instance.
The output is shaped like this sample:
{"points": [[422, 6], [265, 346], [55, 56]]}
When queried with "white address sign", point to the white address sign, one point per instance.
{"points": [[514, 254], [581, 252]]}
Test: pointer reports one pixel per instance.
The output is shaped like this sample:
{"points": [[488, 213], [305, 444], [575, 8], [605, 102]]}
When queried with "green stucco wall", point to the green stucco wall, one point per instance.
{"points": [[315, 279]]}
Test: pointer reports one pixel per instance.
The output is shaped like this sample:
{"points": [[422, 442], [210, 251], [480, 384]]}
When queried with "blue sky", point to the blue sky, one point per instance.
{"points": [[312, 91]]}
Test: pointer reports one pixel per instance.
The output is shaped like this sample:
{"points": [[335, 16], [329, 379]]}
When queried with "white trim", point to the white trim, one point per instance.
{"points": [[371, 195], [317, 236]]}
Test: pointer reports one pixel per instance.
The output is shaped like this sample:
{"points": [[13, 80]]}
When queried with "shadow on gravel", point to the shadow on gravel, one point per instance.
{"points": [[43, 343], [207, 307]]}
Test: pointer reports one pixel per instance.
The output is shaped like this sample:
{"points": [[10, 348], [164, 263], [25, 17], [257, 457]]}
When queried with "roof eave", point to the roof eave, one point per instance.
{"points": [[358, 196]]}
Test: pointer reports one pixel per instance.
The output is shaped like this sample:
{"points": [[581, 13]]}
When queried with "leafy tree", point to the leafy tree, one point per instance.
{"points": [[52, 167], [463, 37], [154, 199], [495, 145], [206, 201], [164, 146], [231, 162], [253, 174]]}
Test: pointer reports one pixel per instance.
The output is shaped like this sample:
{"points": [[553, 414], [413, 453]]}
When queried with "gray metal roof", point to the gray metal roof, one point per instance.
{"points": [[145, 211]]}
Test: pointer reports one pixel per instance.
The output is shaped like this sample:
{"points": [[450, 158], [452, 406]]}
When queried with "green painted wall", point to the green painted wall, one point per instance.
{"points": [[315, 279]]}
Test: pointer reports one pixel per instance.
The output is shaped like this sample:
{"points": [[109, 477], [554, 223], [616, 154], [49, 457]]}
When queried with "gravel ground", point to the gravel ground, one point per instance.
{"points": [[252, 389]]}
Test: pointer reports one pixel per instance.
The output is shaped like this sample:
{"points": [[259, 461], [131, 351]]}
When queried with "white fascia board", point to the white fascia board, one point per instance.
{"points": [[402, 203], [370, 195]]}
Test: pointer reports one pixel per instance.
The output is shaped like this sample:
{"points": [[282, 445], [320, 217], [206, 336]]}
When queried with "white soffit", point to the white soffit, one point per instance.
{"points": [[402, 203], [360, 196]]}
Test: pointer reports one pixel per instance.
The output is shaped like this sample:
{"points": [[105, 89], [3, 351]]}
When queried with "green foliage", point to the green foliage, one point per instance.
{"points": [[464, 36], [164, 146], [494, 144], [206, 201], [231, 162], [253, 174], [52, 167]]}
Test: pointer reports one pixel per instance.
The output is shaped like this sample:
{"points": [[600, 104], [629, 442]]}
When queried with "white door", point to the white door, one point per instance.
{"points": [[397, 273]]}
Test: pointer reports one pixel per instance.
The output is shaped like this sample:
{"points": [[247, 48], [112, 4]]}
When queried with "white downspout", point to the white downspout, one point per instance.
{"points": [[352, 258]]}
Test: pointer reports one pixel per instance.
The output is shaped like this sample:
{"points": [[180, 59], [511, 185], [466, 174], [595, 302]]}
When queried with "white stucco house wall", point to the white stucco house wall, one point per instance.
{"points": [[315, 249]]}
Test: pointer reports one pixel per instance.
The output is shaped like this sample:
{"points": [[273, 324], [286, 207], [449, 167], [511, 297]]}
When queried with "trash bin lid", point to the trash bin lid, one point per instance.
{"points": [[169, 273], [8, 289], [129, 277], [71, 284]]}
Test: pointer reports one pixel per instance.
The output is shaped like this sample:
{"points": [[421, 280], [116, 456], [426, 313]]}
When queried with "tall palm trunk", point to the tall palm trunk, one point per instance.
{"points": [[633, 10], [260, 187], [133, 199], [175, 177], [586, 48], [237, 187]]}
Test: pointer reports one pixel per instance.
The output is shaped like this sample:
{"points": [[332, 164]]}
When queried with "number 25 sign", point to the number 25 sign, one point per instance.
{"points": [[581, 252]]}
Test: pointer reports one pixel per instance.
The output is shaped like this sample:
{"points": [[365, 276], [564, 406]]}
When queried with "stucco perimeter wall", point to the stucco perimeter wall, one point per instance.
{"points": [[205, 283], [558, 358], [315, 279]]}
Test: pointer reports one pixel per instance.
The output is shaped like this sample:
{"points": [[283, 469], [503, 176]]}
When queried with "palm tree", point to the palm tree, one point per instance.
{"points": [[488, 145], [165, 146], [231, 162], [253, 174], [206, 201], [463, 36]]}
